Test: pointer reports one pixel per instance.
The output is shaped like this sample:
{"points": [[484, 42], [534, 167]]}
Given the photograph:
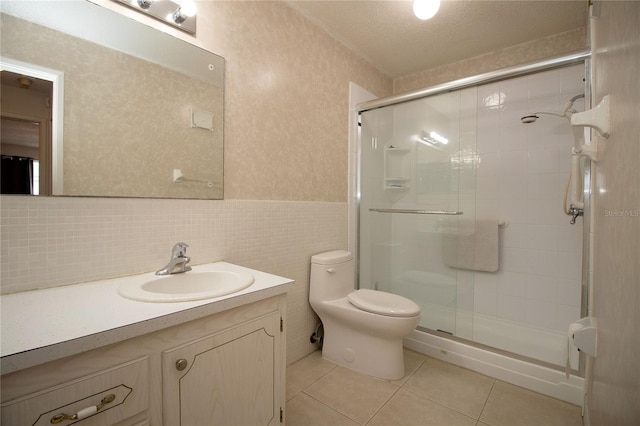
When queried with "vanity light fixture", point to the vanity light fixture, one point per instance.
{"points": [[144, 4], [425, 9], [178, 13], [183, 12]]}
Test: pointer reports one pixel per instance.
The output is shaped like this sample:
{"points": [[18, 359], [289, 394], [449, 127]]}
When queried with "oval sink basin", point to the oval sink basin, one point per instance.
{"points": [[187, 286]]}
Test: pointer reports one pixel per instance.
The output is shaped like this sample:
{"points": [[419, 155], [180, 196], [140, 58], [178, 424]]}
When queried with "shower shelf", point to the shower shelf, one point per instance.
{"points": [[395, 183], [396, 168]]}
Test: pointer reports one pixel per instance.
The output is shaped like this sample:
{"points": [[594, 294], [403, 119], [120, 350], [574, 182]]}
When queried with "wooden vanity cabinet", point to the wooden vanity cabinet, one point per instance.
{"points": [[227, 368]]}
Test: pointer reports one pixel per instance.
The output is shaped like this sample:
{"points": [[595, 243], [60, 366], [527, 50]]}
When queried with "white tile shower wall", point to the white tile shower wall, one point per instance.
{"points": [[521, 176], [51, 241]]}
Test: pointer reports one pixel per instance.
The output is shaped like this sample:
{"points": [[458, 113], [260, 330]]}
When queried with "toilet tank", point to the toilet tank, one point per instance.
{"points": [[332, 276]]}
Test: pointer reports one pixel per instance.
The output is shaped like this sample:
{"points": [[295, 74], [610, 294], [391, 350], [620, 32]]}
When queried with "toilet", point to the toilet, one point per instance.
{"points": [[363, 329]]}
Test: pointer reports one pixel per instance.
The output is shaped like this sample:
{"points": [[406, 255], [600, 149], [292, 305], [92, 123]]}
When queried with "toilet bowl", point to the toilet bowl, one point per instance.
{"points": [[363, 329]]}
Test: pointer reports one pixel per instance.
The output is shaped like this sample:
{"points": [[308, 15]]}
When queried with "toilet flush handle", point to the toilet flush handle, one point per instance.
{"points": [[331, 271]]}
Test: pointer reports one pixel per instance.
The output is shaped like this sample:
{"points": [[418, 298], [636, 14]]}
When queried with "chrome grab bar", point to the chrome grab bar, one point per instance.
{"points": [[443, 212]]}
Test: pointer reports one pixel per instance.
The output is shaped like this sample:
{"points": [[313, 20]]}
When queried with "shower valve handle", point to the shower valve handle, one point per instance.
{"points": [[574, 213], [331, 271]]}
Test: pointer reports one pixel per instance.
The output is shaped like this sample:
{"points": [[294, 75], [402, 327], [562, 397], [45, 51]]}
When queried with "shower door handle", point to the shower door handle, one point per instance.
{"points": [[442, 212]]}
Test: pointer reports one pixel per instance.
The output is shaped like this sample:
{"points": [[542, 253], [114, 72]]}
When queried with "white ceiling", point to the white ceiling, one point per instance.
{"points": [[387, 34]]}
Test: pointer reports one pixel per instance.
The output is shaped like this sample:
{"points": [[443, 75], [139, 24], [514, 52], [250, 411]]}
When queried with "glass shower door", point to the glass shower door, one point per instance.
{"points": [[413, 176]]}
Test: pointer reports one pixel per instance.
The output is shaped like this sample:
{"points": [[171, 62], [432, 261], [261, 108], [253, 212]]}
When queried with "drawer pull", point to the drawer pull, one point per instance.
{"points": [[85, 412]]}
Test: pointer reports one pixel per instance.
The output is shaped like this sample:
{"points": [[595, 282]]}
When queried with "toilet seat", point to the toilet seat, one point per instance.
{"points": [[382, 303]]}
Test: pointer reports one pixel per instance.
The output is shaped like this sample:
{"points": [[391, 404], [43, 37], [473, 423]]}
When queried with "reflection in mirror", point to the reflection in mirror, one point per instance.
{"points": [[25, 135], [142, 113]]}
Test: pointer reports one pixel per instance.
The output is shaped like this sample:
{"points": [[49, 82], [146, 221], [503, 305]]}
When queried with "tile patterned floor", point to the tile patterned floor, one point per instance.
{"points": [[431, 393]]}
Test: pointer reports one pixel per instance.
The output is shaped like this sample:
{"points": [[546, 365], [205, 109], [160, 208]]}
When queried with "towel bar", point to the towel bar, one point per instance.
{"points": [[444, 212]]}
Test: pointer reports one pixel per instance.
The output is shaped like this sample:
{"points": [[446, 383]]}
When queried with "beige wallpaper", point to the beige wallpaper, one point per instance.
{"points": [[615, 394], [287, 104], [126, 121], [515, 55]]}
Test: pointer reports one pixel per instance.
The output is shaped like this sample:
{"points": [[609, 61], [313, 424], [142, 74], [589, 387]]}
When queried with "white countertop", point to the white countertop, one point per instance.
{"points": [[44, 325]]}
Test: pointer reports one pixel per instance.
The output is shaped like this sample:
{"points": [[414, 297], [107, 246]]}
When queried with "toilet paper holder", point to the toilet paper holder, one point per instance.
{"points": [[585, 336]]}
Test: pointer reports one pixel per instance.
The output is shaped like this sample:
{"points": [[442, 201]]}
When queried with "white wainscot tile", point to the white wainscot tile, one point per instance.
{"points": [[513, 259], [489, 95], [515, 90], [569, 292], [544, 187], [542, 262], [512, 209], [485, 303], [566, 315], [543, 85], [543, 160], [542, 237], [513, 137], [542, 288], [486, 210], [570, 238], [488, 187], [541, 313], [571, 80], [512, 113], [514, 188], [488, 136], [512, 283], [543, 212], [541, 105], [511, 308], [570, 265], [513, 163], [514, 236], [489, 164], [485, 282]]}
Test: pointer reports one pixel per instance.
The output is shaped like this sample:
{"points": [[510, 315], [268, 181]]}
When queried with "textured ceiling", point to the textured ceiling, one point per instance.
{"points": [[387, 34]]}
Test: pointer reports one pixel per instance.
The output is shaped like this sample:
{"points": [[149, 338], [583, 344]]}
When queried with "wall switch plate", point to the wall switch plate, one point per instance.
{"points": [[202, 119]]}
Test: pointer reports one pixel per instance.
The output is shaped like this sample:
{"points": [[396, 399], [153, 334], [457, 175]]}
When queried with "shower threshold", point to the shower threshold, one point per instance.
{"points": [[538, 376]]}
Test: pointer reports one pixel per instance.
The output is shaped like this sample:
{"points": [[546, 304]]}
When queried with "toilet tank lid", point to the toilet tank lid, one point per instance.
{"points": [[332, 257]]}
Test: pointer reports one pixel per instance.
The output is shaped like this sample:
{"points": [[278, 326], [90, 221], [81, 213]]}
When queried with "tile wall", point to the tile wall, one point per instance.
{"points": [[521, 177]]}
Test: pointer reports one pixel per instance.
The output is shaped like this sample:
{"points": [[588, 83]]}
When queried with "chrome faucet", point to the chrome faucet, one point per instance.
{"points": [[574, 212], [178, 262]]}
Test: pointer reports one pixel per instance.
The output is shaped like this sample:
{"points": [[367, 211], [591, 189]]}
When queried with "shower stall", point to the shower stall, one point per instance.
{"points": [[463, 209]]}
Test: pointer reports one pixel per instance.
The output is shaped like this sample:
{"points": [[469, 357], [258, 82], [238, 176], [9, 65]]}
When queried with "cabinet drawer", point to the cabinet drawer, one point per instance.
{"points": [[128, 383]]}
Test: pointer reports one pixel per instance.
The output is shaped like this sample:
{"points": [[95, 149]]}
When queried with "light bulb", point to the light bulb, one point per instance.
{"points": [[425, 9], [188, 8]]}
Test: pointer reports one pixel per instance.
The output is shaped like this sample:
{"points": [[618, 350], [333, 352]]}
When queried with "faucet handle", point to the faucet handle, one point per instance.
{"points": [[179, 250]]}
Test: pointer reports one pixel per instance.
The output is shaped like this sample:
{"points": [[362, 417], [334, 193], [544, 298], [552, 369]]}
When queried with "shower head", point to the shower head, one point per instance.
{"points": [[566, 113], [527, 119]]}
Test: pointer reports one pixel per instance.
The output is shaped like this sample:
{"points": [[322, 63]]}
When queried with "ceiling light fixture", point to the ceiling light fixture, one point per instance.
{"points": [[425, 9]]}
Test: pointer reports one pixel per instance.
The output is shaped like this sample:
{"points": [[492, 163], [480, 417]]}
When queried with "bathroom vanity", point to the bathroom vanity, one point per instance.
{"points": [[85, 350]]}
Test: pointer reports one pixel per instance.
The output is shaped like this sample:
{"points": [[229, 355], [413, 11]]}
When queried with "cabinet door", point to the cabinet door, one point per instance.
{"points": [[229, 378]]}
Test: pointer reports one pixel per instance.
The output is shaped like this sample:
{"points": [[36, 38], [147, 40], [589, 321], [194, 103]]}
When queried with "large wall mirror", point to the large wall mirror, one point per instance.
{"points": [[97, 104]]}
